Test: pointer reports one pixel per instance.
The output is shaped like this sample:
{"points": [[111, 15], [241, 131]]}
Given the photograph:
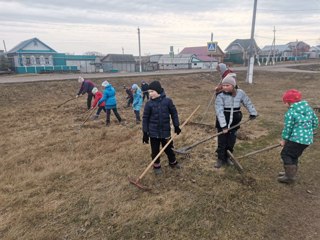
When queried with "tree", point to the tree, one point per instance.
{"points": [[4, 63]]}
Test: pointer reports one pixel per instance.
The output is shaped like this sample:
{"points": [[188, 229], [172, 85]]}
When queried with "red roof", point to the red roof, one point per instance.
{"points": [[199, 51]]}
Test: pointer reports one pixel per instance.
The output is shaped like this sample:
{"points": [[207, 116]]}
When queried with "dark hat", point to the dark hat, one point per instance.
{"points": [[156, 86]]}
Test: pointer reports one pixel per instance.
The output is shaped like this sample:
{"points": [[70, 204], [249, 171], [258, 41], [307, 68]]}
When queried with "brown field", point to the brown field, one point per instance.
{"points": [[60, 181]]}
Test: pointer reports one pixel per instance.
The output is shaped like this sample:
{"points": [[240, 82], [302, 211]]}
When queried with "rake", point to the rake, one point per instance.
{"points": [[238, 165], [66, 101], [136, 182], [186, 150], [89, 115]]}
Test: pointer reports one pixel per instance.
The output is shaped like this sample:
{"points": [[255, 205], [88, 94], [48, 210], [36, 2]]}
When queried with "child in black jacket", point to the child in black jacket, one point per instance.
{"points": [[156, 124]]}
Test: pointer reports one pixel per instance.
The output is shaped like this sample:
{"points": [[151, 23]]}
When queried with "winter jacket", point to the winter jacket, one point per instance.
{"points": [[144, 87], [228, 106], [129, 93], [300, 123], [97, 97], [137, 100], [86, 87], [109, 97], [156, 117]]}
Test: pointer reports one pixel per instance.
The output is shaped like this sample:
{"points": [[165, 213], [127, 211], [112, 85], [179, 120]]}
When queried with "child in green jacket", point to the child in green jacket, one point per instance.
{"points": [[300, 124]]}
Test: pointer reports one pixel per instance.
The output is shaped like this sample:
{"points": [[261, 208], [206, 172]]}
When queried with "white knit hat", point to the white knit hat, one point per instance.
{"points": [[94, 90], [105, 83], [229, 80], [134, 86], [80, 79]]}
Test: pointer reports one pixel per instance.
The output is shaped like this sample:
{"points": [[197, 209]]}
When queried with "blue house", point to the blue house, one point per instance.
{"points": [[34, 56]]}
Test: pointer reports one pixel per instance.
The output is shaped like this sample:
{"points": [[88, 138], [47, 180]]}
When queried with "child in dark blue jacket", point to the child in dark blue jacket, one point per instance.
{"points": [[86, 87], [156, 124]]}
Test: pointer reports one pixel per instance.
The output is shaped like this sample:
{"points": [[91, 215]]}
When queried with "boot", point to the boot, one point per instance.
{"points": [[95, 117], [218, 164], [290, 174]]}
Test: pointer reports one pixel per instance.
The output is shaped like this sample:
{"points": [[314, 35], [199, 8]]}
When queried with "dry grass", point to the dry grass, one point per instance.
{"points": [[58, 181]]}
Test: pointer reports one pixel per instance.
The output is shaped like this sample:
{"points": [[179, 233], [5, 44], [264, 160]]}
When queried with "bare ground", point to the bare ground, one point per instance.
{"points": [[60, 181]]}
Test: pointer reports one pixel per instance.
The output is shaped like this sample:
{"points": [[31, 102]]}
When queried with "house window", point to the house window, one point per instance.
{"points": [[38, 61], [28, 61], [195, 64], [47, 61]]}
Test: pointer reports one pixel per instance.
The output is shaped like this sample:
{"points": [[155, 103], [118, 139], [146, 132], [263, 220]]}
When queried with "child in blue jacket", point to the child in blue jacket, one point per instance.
{"points": [[156, 124], [109, 97], [137, 102]]}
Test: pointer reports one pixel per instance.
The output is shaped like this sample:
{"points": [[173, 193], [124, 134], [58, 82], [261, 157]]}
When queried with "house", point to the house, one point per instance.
{"points": [[276, 53], [179, 61], [34, 56], [118, 62], [203, 58], [314, 52], [299, 50], [148, 63], [239, 51]]}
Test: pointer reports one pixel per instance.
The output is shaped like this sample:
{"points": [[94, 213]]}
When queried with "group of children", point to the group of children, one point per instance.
{"points": [[300, 120]]}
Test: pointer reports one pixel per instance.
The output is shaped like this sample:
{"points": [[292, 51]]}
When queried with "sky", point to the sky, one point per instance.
{"points": [[111, 26]]}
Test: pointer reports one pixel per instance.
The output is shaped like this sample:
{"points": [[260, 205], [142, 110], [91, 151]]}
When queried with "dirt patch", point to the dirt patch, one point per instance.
{"points": [[58, 181]]}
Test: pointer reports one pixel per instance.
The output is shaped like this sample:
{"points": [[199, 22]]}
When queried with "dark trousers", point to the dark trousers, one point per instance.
{"points": [[89, 100], [291, 152], [115, 111], [129, 102], [137, 113], [100, 109], [155, 149], [226, 142], [145, 95]]}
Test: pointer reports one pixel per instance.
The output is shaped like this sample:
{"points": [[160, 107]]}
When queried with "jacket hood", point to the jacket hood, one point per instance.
{"points": [[302, 108]]}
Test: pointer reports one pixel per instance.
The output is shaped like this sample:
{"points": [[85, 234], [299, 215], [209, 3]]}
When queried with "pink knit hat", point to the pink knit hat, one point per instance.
{"points": [[292, 96]]}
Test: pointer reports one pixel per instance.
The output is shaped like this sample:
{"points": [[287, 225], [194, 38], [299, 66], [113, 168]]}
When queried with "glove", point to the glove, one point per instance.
{"points": [[177, 130], [251, 117], [145, 138]]}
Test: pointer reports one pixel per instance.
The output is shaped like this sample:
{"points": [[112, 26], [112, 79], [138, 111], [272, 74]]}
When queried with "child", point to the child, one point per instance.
{"points": [[300, 124], [86, 87], [228, 114], [109, 97], [129, 96], [144, 89], [137, 102], [156, 124], [224, 71], [97, 96]]}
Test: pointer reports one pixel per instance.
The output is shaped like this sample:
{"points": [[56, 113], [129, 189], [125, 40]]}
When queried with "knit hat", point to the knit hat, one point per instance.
{"points": [[105, 83], [80, 79], [94, 90], [134, 86], [229, 80], [156, 86], [292, 96], [222, 67]]}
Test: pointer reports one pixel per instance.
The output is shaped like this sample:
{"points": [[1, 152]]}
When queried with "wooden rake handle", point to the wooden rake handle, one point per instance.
{"points": [[164, 148], [66, 101], [213, 136], [260, 150], [92, 110]]}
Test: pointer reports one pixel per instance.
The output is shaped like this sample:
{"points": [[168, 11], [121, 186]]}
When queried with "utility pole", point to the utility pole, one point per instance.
{"points": [[274, 46], [251, 58], [140, 67], [4, 46], [122, 50]]}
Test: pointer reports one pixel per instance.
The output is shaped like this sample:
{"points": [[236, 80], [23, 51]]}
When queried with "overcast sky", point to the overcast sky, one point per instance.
{"points": [[110, 26]]}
